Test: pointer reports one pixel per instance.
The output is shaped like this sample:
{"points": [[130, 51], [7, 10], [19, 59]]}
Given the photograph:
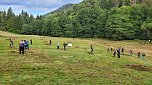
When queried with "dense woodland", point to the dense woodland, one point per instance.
{"points": [[111, 19]]}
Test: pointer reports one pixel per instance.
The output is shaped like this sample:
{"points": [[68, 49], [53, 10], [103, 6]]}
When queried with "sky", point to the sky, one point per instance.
{"points": [[35, 7]]}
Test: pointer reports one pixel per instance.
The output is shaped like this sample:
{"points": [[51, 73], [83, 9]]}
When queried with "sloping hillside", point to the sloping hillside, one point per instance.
{"points": [[44, 64], [60, 9]]}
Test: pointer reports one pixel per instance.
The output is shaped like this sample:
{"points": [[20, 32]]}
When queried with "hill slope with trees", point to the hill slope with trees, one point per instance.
{"points": [[60, 9], [111, 19]]}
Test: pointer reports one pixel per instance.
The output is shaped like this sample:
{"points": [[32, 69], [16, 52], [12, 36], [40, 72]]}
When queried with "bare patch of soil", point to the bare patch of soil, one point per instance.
{"points": [[13, 52], [139, 67], [77, 47]]}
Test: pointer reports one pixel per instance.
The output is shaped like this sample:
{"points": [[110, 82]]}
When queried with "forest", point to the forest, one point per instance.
{"points": [[110, 19]]}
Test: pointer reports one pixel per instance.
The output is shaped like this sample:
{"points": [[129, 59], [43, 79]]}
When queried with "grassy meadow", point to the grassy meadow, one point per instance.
{"points": [[45, 65]]}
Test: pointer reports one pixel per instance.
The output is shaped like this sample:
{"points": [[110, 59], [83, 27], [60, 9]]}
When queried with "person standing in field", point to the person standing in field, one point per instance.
{"points": [[150, 41], [70, 44], [27, 44], [122, 50], [24, 44], [130, 53], [111, 48], [50, 42], [108, 49], [91, 48], [21, 47], [58, 45], [138, 54], [118, 52], [114, 53], [31, 41], [143, 56], [65, 44], [11, 43]]}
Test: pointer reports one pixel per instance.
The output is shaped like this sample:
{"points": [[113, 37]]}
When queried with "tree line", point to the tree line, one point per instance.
{"points": [[111, 19]]}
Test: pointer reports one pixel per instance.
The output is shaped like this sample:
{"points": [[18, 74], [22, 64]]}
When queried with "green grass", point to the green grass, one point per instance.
{"points": [[45, 65]]}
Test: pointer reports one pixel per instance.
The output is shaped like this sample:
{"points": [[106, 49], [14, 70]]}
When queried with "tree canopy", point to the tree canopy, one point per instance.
{"points": [[112, 19]]}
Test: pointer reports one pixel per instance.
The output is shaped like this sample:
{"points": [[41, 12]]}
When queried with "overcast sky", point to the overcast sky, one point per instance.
{"points": [[35, 7]]}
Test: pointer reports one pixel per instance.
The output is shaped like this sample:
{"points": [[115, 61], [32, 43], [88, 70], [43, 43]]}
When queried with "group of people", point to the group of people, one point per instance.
{"points": [[120, 51], [23, 45], [69, 44], [65, 44]]}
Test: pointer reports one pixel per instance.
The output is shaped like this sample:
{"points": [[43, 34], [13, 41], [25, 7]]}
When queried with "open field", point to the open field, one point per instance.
{"points": [[45, 65]]}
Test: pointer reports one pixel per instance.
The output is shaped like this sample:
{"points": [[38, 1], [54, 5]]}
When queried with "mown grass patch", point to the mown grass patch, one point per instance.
{"points": [[43, 64]]}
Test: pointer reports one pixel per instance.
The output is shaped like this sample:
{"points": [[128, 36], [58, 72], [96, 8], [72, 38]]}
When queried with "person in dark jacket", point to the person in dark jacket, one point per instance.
{"points": [[65, 44], [31, 41], [21, 47], [111, 49], [91, 48], [138, 54], [50, 42], [118, 52], [108, 49], [114, 53], [122, 50]]}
